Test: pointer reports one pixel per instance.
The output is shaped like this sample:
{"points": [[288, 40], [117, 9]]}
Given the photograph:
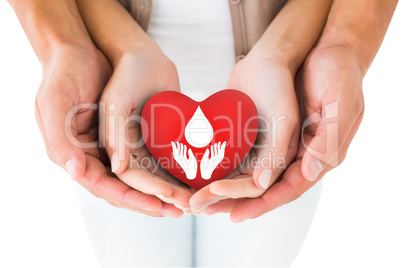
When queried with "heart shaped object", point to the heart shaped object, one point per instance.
{"points": [[199, 142]]}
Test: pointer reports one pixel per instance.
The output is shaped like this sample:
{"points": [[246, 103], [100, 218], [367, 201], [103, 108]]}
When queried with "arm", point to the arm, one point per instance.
{"points": [[74, 74], [113, 29], [294, 32], [330, 82], [267, 75], [140, 71], [50, 25], [359, 26]]}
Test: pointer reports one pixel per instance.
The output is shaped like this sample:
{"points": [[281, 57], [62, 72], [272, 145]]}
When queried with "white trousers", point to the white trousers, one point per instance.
{"points": [[122, 238]]}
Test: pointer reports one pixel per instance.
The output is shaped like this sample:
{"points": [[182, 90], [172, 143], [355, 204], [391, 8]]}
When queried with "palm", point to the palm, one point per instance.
{"points": [[273, 94], [330, 87], [72, 83], [134, 81], [271, 88], [331, 92]]}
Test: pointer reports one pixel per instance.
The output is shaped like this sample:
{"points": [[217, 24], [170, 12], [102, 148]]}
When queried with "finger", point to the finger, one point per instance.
{"points": [[273, 151], [206, 154], [202, 199], [169, 210], [331, 134], [180, 194], [117, 120], [144, 181], [205, 197], [97, 180], [289, 188], [238, 187], [173, 148], [190, 154], [51, 115], [223, 146], [223, 206]]}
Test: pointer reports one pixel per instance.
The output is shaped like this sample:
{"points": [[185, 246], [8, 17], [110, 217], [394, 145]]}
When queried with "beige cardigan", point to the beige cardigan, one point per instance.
{"points": [[250, 18]]}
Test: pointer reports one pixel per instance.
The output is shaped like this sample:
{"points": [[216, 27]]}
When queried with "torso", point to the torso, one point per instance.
{"points": [[197, 36]]}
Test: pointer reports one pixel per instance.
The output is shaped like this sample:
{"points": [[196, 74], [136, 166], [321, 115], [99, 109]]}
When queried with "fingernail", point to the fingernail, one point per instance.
{"points": [[198, 212], [210, 213], [71, 166], [164, 198], [181, 207], [265, 178], [315, 169], [169, 214], [214, 191], [239, 220], [115, 161]]}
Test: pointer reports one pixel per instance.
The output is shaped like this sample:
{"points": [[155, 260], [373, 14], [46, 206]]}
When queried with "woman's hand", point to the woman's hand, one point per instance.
{"points": [[140, 70], [269, 83], [267, 76], [139, 74]]}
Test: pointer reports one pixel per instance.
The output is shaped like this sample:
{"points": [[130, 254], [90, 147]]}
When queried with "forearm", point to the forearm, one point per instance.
{"points": [[51, 24], [360, 26], [294, 32], [112, 28]]}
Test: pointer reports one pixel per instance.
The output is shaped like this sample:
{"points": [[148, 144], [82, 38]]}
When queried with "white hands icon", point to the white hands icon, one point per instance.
{"points": [[189, 165], [208, 165]]}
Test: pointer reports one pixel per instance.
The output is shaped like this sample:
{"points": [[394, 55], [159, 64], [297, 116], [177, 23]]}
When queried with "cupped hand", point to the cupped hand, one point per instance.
{"points": [[269, 83], [66, 113], [139, 74], [332, 108]]}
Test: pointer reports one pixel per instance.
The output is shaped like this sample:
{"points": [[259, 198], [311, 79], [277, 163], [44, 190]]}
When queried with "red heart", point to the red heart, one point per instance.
{"points": [[234, 121]]}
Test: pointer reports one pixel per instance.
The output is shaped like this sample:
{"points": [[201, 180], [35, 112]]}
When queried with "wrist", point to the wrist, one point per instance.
{"points": [[133, 51], [275, 56], [51, 26], [124, 50], [346, 43]]}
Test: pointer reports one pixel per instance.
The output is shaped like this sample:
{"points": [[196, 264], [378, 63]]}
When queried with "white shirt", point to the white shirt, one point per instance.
{"points": [[197, 36]]}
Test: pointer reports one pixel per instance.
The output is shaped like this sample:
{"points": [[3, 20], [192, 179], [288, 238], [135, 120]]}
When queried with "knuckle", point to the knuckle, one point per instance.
{"points": [[294, 196], [94, 192], [113, 203], [50, 155]]}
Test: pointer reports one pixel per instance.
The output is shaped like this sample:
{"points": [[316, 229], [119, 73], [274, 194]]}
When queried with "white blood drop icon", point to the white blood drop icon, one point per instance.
{"points": [[199, 131]]}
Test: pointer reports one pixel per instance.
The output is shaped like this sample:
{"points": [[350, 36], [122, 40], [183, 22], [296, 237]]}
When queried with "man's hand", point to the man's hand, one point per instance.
{"points": [[330, 83], [73, 79]]}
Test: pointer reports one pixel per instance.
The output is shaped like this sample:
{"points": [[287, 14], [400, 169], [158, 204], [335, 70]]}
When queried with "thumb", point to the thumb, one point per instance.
{"points": [[323, 149], [276, 151], [190, 154], [59, 135], [320, 152], [116, 136]]}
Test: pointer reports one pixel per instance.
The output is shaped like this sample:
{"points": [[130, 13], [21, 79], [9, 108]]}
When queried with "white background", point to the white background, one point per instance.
{"points": [[358, 222]]}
